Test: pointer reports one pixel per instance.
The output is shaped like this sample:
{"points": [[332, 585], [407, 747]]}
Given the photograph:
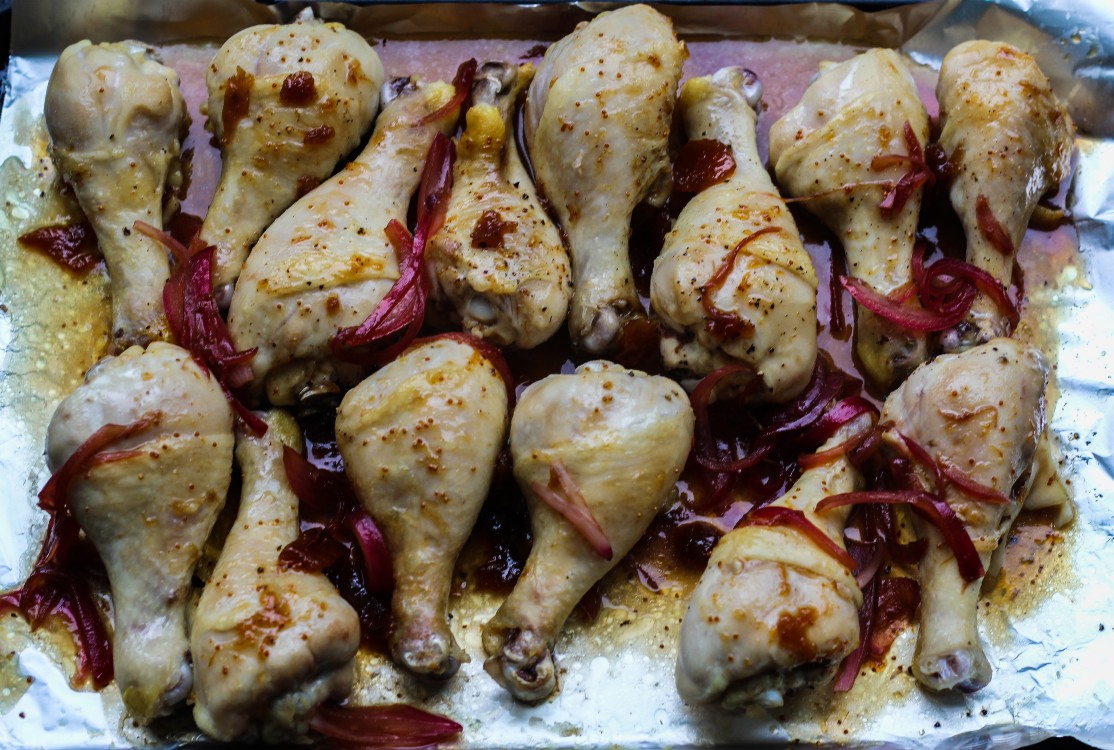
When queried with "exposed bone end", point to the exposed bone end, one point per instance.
{"points": [[887, 353], [427, 653], [396, 87], [598, 333], [520, 659], [963, 669], [743, 80], [984, 323]]}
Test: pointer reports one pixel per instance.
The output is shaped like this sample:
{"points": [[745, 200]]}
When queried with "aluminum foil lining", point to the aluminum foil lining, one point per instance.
{"points": [[1051, 652]]}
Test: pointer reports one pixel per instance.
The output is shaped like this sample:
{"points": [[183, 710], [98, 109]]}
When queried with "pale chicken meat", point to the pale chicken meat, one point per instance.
{"points": [[419, 440], [1009, 141], [621, 437], [286, 103], [498, 266], [774, 611], [149, 507], [823, 151], [980, 412], [597, 123], [761, 308], [116, 117], [327, 261], [269, 643]]}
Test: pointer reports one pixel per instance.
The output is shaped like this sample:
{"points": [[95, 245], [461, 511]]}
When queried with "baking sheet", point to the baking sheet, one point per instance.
{"points": [[1049, 649]]}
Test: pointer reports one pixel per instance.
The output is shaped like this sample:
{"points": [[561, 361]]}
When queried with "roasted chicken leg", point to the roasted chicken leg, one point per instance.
{"points": [[286, 102], [597, 124], [761, 308], [774, 611], [269, 644], [824, 150], [419, 440], [327, 261], [498, 265], [620, 437], [149, 506], [1009, 141], [981, 413], [115, 118]]}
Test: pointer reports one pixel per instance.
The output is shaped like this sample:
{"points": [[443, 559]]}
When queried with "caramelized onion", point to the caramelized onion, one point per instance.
{"points": [[933, 509], [944, 470], [774, 515], [563, 495], [387, 726], [721, 323], [914, 318], [73, 246], [919, 173]]}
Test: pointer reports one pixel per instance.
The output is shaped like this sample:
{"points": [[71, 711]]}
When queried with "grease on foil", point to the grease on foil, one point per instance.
{"points": [[1048, 623]]}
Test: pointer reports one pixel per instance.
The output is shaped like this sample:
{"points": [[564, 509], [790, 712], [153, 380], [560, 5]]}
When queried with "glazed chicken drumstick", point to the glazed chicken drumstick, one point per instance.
{"points": [[286, 102], [419, 440], [149, 505], [269, 644], [824, 150], [980, 413], [774, 611], [328, 261], [597, 122], [498, 265], [115, 118], [1009, 141], [733, 282], [612, 441]]}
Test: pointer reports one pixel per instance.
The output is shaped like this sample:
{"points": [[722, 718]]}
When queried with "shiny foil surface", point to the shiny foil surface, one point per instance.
{"points": [[1050, 637]]}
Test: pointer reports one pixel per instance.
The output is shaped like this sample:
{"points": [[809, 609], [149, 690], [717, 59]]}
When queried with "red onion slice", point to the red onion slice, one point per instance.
{"points": [[721, 323], [462, 85], [72, 246], [775, 515], [991, 229], [933, 509], [387, 726], [565, 498], [914, 318]]}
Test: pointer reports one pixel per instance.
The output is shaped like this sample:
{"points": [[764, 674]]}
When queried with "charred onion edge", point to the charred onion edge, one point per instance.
{"points": [[384, 726], [929, 507], [566, 498], [776, 515]]}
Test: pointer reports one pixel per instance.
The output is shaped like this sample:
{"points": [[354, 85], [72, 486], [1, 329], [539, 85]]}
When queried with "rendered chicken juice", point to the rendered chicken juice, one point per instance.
{"points": [[622, 657]]}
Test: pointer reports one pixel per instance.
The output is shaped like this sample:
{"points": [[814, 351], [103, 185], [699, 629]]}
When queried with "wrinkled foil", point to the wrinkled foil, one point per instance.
{"points": [[1051, 650]]}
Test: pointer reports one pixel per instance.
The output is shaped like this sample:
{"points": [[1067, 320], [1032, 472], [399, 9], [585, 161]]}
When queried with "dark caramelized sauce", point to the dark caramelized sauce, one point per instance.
{"points": [[792, 633], [490, 230], [306, 183], [298, 89], [701, 164], [237, 101], [318, 136]]}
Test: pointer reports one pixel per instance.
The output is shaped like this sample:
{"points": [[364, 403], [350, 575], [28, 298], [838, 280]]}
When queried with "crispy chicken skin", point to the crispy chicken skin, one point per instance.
{"points": [[623, 437], [269, 645], [327, 261], [149, 513], [498, 266], [981, 411], [773, 611], [597, 123], [115, 118], [286, 103], [1009, 140], [419, 439], [771, 288], [854, 112]]}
